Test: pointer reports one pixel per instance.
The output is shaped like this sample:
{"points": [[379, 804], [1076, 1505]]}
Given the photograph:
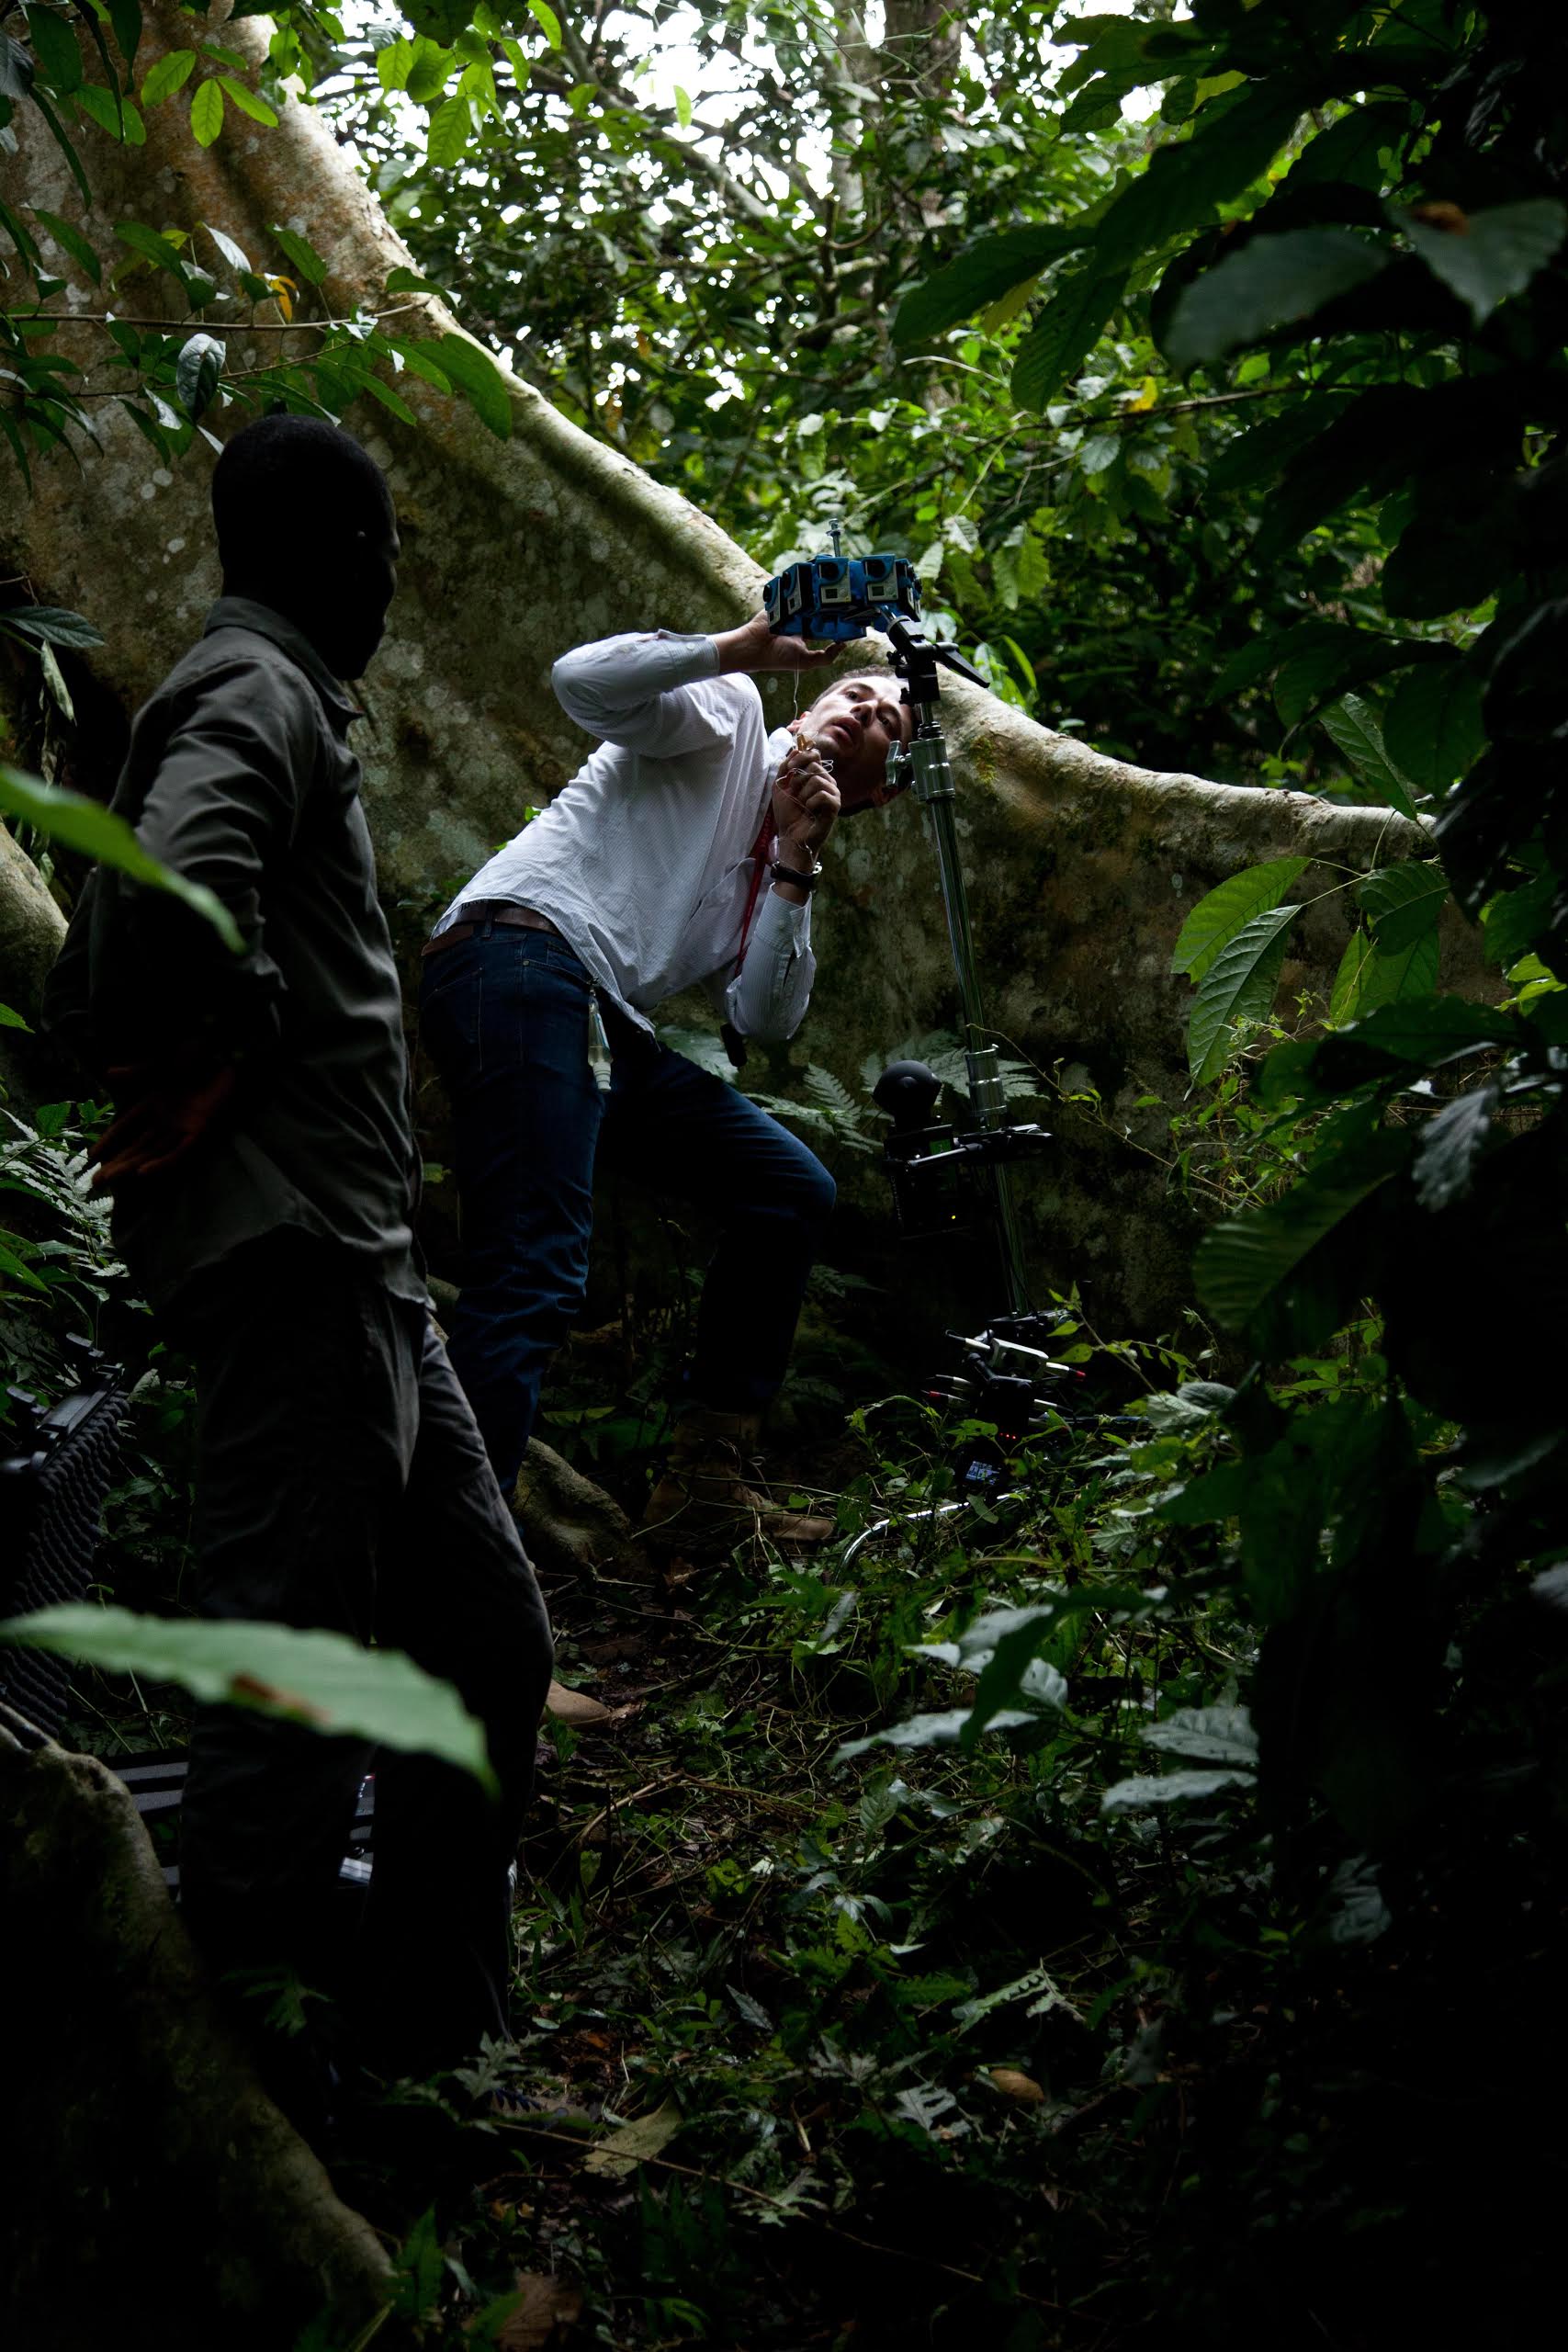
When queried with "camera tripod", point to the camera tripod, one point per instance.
{"points": [[950, 1176]]}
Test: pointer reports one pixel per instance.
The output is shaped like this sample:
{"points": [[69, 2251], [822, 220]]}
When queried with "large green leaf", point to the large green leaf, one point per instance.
{"points": [[1402, 903], [1390, 1045], [207, 112], [1434, 729], [1209, 1734], [164, 78], [1372, 975], [52, 624], [196, 372], [1350, 150], [475, 374], [1230, 145], [1486, 256], [1145, 1791], [1065, 333], [321, 1679], [1450, 1147], [1258, 454], [54, 46], [1352, 725], [300, 254], [1272, 282], [980, 275], [1218, 916], [72, 239], [1241, 1262], [86, 826], [1238, 986]]}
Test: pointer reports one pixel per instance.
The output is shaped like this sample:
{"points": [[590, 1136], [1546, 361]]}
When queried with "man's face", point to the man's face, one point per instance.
{"points": [[857, 723]]}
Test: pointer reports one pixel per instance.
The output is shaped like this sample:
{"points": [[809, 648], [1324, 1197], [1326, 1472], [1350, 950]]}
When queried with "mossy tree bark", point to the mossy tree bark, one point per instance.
{"points": [[1082, 867]]}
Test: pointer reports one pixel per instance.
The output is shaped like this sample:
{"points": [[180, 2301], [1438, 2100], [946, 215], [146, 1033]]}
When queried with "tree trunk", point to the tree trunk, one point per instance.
{"points": [[1081, 868], [157, 2201]]}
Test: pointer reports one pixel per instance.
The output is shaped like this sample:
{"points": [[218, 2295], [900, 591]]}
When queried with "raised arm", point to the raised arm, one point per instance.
{"points": [[636, 690]]}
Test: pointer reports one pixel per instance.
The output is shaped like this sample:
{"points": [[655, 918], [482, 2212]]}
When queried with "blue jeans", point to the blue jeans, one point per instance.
{"points": [[505, 1016]]}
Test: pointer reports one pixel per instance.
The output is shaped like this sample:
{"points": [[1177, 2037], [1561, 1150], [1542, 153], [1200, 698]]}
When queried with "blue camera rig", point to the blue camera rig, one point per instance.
{"points": [[841, 596]]}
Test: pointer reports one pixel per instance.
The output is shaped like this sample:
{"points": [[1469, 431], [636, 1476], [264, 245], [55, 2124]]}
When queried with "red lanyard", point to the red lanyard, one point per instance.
{"points": [[759, 849]]}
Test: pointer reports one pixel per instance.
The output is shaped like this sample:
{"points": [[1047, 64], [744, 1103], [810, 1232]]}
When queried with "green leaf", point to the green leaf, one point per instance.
{"points": [[235, 256], [1324, 658], [409, 281], [301, 252], [1241, 1263], [1145, 1791], [394, 64], [1388, 974], [19, 1271], [54, 46], [451, 127], [321, 1679], [1353, 726], [207, 113], [547, 20], [117, 114], [162, 80], [161, 250], [1218, 917], [125, 16], [1238, 986], [1350, 150], [74, 243], [1259, 453], [1495, 253], [11, 1019], [64, 141], [1515, 920], [248, 102], [1449, 1148], [431, 70], [683, 107], [196, 373], [87, 826], [1064, 335], [1230, 145], [1272, 282], [1434, 729], [990, 268], [52, 625], [1211, 1734], [476, 375], [387, 398], [1390, 1046], [1402, 903]]}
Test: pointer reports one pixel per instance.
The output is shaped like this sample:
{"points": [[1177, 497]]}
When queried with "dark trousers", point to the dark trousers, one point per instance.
{"points": [[341, 1482], [505, 1016]]}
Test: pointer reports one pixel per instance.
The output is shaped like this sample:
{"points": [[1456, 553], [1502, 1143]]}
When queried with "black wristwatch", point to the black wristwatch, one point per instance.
{"points": [[807, 882]]}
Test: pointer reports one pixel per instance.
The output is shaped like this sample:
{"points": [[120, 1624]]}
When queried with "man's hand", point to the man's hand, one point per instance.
{"points": [[166, 1109], [754, 647], [806, 808]]}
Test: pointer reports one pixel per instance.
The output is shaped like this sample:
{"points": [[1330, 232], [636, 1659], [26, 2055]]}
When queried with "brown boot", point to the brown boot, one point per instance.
{"points": [[703, 1507]]}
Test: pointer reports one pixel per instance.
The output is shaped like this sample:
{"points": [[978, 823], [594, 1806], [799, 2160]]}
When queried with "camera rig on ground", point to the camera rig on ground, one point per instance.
{"points": [[946, 1176]]}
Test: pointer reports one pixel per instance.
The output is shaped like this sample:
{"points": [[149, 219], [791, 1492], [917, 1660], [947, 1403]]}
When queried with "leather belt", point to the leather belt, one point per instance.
{"points": [[480, 911]]}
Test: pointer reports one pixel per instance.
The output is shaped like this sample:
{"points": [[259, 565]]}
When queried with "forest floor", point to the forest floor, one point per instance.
{"points": [[839, 2026]]}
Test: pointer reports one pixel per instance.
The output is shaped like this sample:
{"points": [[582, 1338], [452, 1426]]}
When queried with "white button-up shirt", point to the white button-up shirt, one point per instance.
{"points": [[645, 862]]}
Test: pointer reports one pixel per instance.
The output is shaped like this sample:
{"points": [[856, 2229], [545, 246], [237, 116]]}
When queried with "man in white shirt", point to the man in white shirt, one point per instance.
{"points": [[684, 850]]}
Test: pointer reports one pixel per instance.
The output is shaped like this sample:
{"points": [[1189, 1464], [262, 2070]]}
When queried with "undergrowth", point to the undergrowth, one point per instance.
{"points": [[926, 1954]]}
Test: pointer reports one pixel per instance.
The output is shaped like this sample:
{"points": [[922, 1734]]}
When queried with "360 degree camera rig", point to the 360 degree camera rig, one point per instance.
{"points": [[953, 1175]]}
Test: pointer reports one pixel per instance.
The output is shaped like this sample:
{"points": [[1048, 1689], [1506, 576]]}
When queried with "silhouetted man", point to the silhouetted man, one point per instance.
{"points": [[263, 1171]]}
